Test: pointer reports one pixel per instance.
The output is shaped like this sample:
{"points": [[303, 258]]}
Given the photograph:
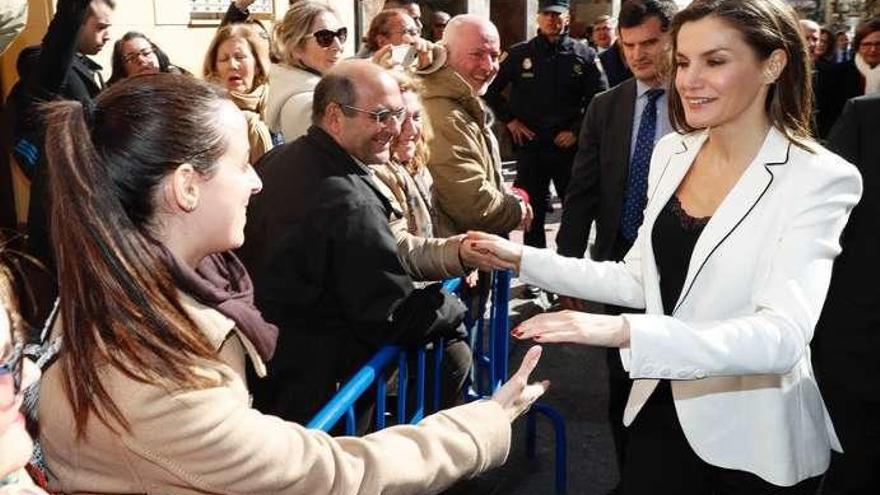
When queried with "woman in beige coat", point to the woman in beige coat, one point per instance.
{"points": [[156, 322]]}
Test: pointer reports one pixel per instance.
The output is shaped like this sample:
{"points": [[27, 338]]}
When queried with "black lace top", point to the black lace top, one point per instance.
{"points": [[674, 236]]}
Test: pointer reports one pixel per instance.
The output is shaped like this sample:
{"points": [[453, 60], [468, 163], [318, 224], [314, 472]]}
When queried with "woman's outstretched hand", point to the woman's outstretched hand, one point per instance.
{"points": [[576, 328], [517, 395], [491, 252]]}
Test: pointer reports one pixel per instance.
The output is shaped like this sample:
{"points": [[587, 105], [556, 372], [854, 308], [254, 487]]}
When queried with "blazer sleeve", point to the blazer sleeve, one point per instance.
{"points": [[774, 338], [462, 188], [582, 195], [211, 440]]}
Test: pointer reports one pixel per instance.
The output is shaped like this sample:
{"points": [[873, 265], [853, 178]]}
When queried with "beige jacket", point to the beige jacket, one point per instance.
{"points": [[425, 258], [465, 163], [211, 441]]}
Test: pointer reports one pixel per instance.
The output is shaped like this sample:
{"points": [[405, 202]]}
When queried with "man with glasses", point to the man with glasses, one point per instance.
{"points": [[389, 27], [321, 253]]}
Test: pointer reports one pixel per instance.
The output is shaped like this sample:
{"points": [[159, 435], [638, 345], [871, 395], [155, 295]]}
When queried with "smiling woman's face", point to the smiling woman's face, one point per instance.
{"points": [[16, 444]]}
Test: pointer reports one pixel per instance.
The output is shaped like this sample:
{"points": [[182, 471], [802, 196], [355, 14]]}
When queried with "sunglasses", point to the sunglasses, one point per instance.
{"points": [[381, 116], [14, 366], [324, 37]]}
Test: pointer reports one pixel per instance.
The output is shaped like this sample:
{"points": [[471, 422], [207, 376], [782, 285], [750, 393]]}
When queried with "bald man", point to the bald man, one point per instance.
{"points": [[323, 259], [469, 191]]}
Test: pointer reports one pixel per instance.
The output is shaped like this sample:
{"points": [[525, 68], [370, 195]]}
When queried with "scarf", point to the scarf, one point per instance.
{"points": [[255, 101], [872, 76], [222, 283]]}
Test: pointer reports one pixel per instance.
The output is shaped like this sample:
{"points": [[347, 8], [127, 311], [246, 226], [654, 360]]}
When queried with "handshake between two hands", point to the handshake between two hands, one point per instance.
{"points": [[490, 252]]}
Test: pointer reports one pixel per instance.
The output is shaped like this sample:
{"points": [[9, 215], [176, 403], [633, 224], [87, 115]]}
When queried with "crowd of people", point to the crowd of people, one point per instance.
{"points": [[247, 238]]}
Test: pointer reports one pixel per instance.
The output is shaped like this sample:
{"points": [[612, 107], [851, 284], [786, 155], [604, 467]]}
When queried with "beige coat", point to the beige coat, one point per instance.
{"points": [[425, 257], [465, 163], [212, 441]]}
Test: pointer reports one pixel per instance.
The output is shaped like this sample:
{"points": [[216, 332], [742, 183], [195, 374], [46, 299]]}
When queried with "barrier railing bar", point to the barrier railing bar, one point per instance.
{"points": [[348, 394]]}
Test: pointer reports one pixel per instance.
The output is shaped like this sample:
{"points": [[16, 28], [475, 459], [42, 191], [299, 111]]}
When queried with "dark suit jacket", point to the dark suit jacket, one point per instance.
{"points": [[616, 70], [598, 176], [847, 339], [326, 271], [835, 85]]}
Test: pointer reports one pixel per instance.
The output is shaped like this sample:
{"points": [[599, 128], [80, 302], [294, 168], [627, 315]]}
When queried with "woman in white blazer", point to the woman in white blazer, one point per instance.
{"points": [[731, 264]]}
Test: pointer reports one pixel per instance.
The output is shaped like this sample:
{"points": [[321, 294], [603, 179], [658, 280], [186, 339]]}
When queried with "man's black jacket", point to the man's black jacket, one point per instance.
{"points": [[326, 271]]}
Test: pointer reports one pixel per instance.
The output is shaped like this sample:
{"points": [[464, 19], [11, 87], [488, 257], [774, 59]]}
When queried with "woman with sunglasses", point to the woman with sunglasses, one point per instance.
{"points": [[309, 40], [16, 374], [156, 323], [135, 54]]}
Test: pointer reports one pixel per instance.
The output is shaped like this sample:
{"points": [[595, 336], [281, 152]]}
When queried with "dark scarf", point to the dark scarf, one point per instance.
{"points": [[222, 283]]}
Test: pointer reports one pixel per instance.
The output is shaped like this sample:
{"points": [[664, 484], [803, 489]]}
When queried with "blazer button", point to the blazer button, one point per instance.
{"points": [[700, 374]]}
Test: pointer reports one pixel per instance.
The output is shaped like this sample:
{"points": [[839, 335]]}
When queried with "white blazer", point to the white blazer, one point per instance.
{"points": [[737, 347]]}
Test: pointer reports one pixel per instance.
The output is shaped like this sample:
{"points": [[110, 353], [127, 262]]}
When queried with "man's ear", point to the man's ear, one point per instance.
{"points": [[185, 188], [333, 118]]}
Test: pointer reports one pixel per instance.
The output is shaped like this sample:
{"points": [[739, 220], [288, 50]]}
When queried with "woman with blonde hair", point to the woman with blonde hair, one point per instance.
{"points": [[238, 59], [309, 40]]}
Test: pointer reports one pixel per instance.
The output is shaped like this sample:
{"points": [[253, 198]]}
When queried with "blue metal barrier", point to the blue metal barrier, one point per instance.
{"points": [[490, 355]]}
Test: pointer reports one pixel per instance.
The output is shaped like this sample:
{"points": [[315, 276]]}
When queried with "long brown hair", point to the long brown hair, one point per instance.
{"points": [[119, 305], [765, 25]]}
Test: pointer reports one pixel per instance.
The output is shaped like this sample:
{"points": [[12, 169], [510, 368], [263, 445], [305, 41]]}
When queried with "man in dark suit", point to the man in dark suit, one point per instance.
{"points": [[57, 68], [609, 177], [322, 256], [847, 339]]}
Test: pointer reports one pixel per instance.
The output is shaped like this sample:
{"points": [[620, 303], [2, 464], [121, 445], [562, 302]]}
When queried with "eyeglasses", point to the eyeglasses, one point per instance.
{"points": [[410, 31], [131, 57], [324, 37], [870, 45], [14, 367], [380, 116]]}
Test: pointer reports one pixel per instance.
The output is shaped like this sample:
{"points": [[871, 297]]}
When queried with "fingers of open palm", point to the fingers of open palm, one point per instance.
{"points": [[561, 326]]}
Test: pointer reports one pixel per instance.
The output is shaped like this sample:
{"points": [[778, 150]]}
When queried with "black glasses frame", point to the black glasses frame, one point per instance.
{"points": [[324, 37], [15, 367]]}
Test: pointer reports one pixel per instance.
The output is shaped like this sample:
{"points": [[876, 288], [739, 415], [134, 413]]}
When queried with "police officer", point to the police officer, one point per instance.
{"points": [[552, 79]]}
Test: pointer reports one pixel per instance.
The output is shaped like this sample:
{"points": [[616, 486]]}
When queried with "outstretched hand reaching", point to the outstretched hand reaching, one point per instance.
{"points": [[516, 396]]}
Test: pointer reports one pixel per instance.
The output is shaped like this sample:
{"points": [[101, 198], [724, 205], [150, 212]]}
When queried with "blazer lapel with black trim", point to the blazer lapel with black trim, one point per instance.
{"points": [[739, 203]]}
